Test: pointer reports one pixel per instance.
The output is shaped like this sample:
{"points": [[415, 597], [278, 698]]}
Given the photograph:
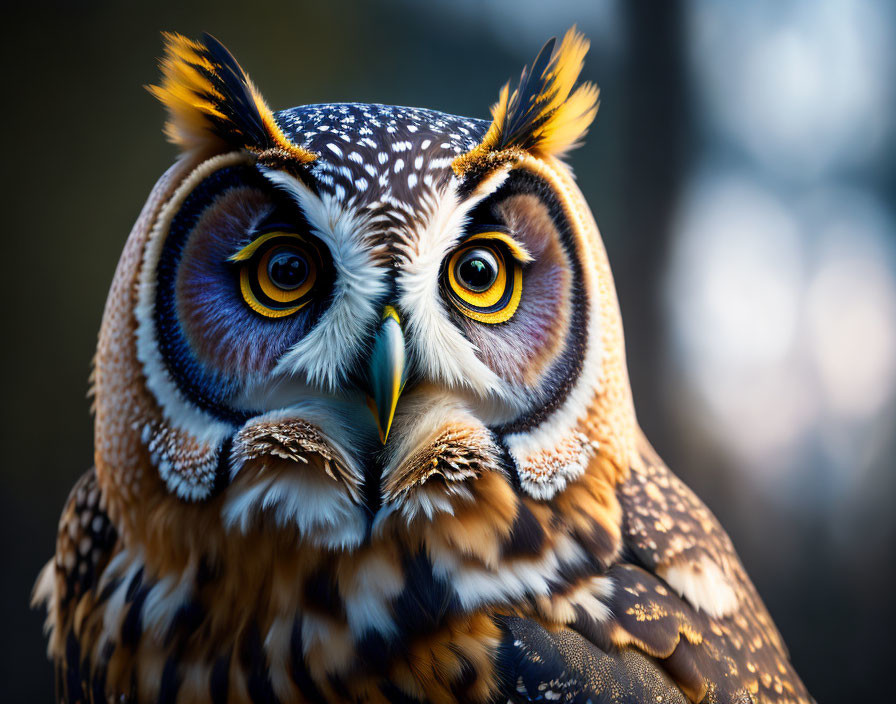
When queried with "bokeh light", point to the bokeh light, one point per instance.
{"points": [[801, 86], [784, 320]]}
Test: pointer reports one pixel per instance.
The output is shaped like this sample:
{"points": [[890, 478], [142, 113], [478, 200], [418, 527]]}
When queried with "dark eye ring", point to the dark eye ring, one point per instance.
{"points": [[484, 279], [278, 273]]}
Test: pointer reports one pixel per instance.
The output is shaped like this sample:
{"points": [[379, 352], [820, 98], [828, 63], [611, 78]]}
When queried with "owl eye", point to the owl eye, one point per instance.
{"points": [[477, 270], [288, 268], [278, 273], [484, 280]]}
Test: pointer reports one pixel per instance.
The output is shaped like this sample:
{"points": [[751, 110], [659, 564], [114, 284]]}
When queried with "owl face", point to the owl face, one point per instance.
{"points": [[344, 316], [263, 290]]}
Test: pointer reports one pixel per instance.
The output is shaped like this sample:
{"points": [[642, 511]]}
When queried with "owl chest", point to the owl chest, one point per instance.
{"points": [[327, 632]]}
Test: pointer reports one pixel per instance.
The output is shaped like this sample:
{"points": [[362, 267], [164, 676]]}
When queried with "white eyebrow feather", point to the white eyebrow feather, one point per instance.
{"points": [[439, 348], [325, 356]]}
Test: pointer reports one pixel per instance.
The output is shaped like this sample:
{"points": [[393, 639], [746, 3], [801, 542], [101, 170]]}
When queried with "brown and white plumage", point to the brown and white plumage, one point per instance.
{"points": [[497, 529]]}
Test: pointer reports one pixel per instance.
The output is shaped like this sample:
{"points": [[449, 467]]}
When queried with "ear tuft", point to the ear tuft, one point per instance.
{"points": [[212, 103], [544, 115]]}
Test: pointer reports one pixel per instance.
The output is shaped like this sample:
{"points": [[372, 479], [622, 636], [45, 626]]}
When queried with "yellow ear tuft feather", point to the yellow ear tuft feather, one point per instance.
{"points": [[212, 103], [544, 115]]}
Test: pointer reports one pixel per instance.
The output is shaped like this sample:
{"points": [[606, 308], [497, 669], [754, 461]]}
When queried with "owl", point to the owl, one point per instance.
{"points": [[364, 430]]}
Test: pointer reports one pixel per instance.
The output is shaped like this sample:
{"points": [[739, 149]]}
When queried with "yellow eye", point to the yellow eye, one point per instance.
{"points": [[278, 272], [485, 282]]}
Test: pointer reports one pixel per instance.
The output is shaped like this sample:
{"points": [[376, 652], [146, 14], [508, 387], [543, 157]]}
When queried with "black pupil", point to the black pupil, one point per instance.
{"points": [[287, 268], [477, 270]]}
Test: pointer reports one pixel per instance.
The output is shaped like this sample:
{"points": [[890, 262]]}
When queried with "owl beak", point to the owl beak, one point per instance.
{"points": [[386, 371]]}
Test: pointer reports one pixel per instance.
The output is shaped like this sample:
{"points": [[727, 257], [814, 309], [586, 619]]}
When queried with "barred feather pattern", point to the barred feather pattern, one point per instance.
{"points": [[494, 597]]}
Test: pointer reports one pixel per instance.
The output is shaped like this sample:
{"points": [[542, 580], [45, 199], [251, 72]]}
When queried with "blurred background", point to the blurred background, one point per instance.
{"points": [[742, 170]]}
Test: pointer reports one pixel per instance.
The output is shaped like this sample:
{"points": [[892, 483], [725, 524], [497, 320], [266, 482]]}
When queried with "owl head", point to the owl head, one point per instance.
{"points": [[341, 322]]}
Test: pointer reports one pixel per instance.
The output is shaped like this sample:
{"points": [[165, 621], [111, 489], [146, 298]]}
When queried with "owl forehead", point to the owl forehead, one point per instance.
{"points": [[369, 152]]}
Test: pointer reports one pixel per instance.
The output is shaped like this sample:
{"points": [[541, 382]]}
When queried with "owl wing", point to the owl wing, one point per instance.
{"points": [[671, 533], [686, 599], [564, 667], [69, 585], [686, 623]]}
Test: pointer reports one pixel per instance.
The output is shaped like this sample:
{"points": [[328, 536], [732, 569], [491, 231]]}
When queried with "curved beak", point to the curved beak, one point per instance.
{"points": [[386, 371]]}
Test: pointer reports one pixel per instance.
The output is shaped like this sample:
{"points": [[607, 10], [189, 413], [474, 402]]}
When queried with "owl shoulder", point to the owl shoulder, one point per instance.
{"points": [[682, 596], [668, 530]]}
